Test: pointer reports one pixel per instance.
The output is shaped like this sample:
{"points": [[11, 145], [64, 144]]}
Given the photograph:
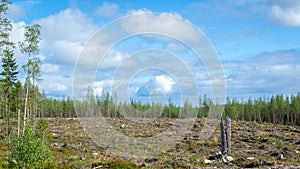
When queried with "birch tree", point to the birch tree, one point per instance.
{"points": [[30, 48]]}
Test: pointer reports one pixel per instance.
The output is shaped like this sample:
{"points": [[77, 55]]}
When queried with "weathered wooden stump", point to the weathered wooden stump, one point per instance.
{"points": [[223, 138], [228, 133]]}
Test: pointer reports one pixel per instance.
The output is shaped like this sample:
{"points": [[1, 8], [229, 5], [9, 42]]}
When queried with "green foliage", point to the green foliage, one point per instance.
{"points": [[32, 38], [6, 27], [41, 129], [30, 151], [10, 67], [278, 143]]}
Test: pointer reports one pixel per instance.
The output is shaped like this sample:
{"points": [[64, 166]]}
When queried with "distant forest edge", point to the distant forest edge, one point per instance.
{"points": [[277, 109]]}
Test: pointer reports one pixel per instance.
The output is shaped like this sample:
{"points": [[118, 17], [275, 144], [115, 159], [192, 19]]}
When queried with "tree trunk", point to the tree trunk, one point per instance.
{"points": [[223, 137], [228, 132], [19, 120], [25, 108]]}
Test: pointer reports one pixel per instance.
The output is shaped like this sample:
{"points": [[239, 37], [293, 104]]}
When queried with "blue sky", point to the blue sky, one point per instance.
{"points": [[257, 42]]}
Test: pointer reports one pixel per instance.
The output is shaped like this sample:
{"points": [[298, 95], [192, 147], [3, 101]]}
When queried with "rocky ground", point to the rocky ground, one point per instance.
{"points": [[253, 146]]}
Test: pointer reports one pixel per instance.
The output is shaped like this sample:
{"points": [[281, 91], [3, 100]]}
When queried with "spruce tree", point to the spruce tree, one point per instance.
{"points": [[9, 65], [9, 78]]}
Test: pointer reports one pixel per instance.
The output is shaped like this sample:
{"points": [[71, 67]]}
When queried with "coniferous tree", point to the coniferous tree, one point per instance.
{"points": [[9, 65], [9, 78]]}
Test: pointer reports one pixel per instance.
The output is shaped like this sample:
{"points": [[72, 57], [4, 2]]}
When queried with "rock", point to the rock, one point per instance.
{"points": [[142, 165], [218, 155], [250, 158], [228, 158], [54, 135], [55, 144], [206, 161], [95, 154], [281, 157]]}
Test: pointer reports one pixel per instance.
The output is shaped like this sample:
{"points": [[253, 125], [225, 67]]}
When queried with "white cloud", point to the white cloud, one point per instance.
{"points": [[163, 23], [63, 35], [98, 91], [50, 68], [17, 33], [100, 86], [164, 83], [67, 25], [283, 12], [107, 9], [287, 16], [65, 52], [113, 59]]}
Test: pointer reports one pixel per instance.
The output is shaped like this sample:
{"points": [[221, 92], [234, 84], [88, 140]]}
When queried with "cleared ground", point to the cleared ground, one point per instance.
{"points": [[253, 144]]}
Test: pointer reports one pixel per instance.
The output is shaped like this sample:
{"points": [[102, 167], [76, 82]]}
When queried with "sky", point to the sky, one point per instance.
{"points": [[257, 42]]}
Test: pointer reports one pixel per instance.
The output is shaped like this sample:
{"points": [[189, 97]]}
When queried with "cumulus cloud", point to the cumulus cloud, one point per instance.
{"points": [[113, 59], [67, 25], [163, 23], [50, 68], [157, 84], [287, 16], [165, 83], [17, 35], [107, 9], [63, 35]]}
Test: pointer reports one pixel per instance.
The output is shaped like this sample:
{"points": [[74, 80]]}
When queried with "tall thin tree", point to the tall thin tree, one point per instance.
{"points": [[9, 65], [9, 75], [30, 47]]}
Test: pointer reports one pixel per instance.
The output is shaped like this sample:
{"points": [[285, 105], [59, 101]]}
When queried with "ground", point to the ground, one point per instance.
{"points": [[253, 146]]}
